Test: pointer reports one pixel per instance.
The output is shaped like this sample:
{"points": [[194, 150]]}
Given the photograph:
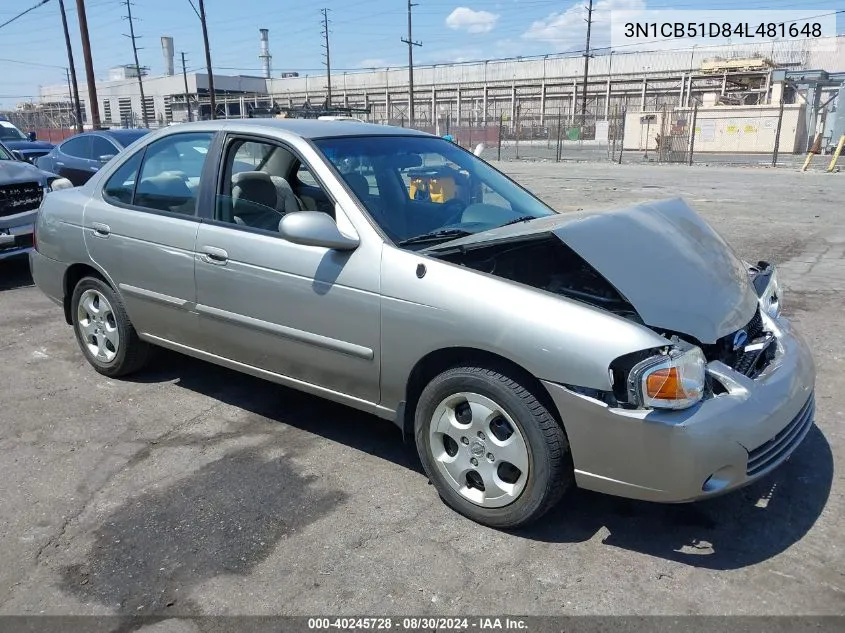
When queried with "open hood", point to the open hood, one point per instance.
{"points": [[669, 264]]}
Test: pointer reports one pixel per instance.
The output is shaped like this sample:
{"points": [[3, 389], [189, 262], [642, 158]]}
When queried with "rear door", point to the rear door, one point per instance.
{"points": [[140, 229]]}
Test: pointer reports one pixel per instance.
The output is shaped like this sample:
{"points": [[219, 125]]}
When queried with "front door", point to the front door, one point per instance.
{"points": [[307, 313], [143, 235]]}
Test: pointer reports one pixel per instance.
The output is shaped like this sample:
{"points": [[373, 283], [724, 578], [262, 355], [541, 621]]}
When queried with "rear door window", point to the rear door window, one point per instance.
{"points": [[170, 175]]}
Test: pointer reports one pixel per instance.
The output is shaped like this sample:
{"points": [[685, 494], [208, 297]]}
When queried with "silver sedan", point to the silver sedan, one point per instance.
{"points": [[522, 351]]}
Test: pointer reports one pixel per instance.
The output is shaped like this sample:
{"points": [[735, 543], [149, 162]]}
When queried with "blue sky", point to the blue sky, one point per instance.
{"points": [[364, 33]]}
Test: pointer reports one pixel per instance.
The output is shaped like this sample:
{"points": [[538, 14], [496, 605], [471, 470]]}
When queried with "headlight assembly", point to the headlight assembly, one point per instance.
{"points": [[770, 299], [674, 380], [764, 278]]}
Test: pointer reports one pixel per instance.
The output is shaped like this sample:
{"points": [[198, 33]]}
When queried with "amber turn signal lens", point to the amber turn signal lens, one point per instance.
{"points": [[665, 384]]}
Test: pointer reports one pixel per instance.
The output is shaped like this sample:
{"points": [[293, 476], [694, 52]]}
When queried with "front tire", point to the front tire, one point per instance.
{"points": [[491, 448], [103, 330]]}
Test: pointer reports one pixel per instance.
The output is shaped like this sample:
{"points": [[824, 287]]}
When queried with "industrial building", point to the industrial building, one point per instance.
{"points": [[738, 90]]}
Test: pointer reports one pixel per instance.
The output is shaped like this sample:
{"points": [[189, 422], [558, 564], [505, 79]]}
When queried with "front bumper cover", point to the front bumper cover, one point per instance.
{"points": [[677, 456], [15, 240]]}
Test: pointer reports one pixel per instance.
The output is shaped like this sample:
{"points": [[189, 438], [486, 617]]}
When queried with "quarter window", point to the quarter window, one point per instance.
{"points": [[102, 147], [79, 147], [121, 185]]}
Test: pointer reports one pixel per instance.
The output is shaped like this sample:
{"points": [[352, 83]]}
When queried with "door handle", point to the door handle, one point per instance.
{"points": [[60, 164], [100, 229], [214, 255]]}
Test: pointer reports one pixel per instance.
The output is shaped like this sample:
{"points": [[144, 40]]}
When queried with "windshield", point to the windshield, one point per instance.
{"points": [[422, 189], [5, 154], [10, 133]]}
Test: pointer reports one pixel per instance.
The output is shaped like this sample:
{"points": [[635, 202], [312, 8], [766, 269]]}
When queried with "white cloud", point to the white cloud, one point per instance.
{"points": [[567, 29], [465, 19], [453, 55], [376, 62]]}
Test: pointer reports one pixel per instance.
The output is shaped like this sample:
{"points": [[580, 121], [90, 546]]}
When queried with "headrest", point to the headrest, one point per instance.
{"points": [[255, 187], [359, 184]]}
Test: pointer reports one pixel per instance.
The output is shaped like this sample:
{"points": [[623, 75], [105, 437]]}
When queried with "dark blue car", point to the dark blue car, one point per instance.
{"points": [[81, 156]]}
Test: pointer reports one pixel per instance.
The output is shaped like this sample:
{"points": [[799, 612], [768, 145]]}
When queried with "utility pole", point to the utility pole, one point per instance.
{"points": [[328, 62], [201, 16], [137, 65], [187, 93], [93, 106], [411, 43], [73, 90], [586, 66]]}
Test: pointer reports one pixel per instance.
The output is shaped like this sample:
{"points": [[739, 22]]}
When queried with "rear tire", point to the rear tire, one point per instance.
{"points": [[103, 329], [492, 449]]}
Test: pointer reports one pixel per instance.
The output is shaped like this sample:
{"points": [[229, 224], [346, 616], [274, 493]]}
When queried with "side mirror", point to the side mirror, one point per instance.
{"points": [[105, 158], [315, 228], [17, 155], [31, 136]]}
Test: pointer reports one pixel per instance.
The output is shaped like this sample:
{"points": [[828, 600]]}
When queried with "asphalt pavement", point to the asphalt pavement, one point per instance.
{"points": [[191, 489]]}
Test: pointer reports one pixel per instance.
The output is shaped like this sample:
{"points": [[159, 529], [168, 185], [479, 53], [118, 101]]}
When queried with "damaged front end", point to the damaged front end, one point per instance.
{"points": [[546, 263], [659, 265]]}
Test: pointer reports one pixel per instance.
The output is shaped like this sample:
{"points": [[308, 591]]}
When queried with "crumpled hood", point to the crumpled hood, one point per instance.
{"points": [[15, 171], [674, 269]]}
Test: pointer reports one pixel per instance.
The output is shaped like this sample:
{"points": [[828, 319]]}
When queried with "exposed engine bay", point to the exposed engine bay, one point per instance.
{"points": [[546, 263]]}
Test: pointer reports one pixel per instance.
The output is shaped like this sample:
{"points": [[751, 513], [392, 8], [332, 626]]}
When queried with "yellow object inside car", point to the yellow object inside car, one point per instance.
{"points": [[437, 188]]}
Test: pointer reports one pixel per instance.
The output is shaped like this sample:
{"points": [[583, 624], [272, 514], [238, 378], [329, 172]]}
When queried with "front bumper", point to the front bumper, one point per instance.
{"points": [[724, 442], [15, 240]]}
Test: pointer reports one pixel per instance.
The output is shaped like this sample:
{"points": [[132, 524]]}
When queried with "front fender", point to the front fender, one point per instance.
{"points": [[554, 338]]}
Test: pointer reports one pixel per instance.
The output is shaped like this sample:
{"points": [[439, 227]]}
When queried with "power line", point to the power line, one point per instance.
{"points": [[20, 61], [23, 13], [411, 43]]}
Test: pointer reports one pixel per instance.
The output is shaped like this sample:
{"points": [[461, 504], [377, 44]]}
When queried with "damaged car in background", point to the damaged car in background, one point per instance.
{"points": [[523, 351]]}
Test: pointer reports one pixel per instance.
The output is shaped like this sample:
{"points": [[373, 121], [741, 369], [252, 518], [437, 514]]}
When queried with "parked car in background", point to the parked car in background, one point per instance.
{"points": [[81, 156], [522, 350], [22, 187], [23, 146]]}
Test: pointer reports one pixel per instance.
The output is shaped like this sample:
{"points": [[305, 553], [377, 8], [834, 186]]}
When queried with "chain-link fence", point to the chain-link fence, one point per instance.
{"points": [[753, 136], [646, 132]]}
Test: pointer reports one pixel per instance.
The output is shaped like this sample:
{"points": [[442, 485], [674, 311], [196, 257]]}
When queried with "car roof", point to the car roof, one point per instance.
{"points": [[122, 136], [305, 128], [125, 137]]}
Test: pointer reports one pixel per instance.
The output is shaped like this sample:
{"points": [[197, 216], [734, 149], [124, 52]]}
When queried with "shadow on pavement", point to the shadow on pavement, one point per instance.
{"points": [[739, 529], [225, 518], [14, 273]]}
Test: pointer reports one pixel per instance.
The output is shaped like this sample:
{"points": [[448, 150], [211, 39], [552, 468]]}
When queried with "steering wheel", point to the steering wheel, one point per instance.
{"points": [[457, 208]]}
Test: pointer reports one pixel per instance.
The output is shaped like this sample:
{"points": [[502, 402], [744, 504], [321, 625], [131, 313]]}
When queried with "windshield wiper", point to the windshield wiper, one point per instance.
{"points": [[522, 218], [436, 236]]}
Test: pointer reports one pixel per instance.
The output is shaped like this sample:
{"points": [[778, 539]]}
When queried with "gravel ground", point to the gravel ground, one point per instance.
{"points": [[191, 489]]}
